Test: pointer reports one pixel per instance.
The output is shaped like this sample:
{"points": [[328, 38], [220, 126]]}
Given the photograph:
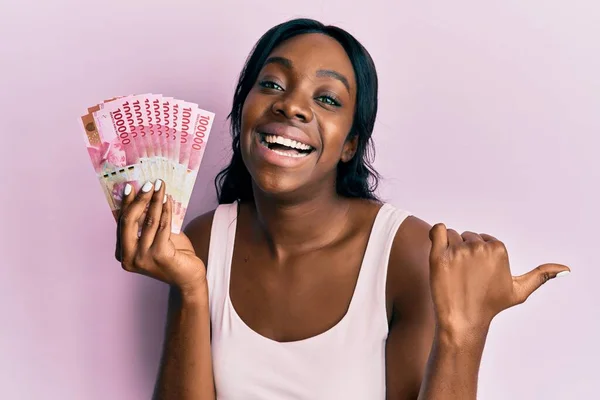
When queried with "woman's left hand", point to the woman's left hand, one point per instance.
{"points": [[471, 281]]}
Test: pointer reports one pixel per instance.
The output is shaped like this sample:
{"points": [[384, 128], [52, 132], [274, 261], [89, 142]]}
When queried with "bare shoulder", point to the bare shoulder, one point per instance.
{"points": [[408, 267], [198, 231], [411, 244]]}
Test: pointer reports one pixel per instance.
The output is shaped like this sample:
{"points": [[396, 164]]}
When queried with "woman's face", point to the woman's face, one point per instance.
{"points": [[297, 116]]}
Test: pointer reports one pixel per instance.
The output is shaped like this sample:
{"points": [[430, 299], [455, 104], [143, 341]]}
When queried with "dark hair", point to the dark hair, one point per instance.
{"points": [[355, 178]]}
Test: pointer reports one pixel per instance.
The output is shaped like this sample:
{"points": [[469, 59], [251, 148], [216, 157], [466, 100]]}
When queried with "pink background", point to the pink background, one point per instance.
{"points": [[489, 121]]}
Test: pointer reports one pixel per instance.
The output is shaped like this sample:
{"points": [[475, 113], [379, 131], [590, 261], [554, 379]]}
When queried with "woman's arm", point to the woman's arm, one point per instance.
{"points": [[412, 323], [423, 363], [453, 366], [446, 288], [186, 366]]}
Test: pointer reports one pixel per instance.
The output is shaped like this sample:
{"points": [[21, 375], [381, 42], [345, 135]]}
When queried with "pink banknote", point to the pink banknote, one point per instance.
{"points": [[144, 137], [202, 127]]}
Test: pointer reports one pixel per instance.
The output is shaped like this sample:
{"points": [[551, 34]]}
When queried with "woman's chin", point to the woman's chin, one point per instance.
{"points": [[273, 186], [277, 187]]}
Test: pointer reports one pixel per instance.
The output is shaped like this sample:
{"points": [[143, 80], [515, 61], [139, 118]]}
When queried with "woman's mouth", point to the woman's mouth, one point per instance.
{"points": [[285, 147]]}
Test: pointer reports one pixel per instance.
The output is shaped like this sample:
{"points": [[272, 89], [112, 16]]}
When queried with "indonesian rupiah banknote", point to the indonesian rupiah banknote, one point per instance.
{"points": [[138, 138]]}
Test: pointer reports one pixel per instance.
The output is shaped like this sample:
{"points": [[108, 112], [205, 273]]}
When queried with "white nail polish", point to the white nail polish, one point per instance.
{"points": [[147, 186], [562, 273], [127, 190], [165, 199], [157, 185]]}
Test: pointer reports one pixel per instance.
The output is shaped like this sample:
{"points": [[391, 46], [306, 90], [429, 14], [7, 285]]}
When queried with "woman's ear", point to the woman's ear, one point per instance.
{"points": [[350, 148]]}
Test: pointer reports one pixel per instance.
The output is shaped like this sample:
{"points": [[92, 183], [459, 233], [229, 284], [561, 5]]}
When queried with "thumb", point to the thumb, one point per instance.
{"points": [[524, 285], [438, 235]]}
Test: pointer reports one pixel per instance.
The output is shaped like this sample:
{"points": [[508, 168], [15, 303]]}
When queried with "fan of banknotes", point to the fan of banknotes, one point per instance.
{"points": [[139, 138]]}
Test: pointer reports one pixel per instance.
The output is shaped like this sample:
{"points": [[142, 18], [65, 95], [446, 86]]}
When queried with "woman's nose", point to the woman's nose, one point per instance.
{"points": [[293, 106]]}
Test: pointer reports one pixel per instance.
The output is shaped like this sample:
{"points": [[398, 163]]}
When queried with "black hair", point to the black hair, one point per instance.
{"points": [[355, 178]]}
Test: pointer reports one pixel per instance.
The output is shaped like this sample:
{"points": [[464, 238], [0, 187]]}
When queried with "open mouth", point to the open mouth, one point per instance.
{"points": [[285, 147]]}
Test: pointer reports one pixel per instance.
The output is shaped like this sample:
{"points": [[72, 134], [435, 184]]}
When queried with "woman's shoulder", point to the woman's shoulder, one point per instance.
{"points": [[411, 227], [198, 231], [411, 243], [408, 265]]}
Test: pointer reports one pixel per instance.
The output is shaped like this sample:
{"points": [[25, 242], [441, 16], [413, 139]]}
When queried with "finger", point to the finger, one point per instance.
{"points": [[128, 195], [468, 236], [129, 222], [524, 285], [454, 238], [164, 228], [488, 238], [152, 218], [438, 235]]}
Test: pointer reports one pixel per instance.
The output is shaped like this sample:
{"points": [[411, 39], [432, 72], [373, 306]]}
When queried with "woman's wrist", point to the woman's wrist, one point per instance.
{"points": [[195, 293], [461, 337]]}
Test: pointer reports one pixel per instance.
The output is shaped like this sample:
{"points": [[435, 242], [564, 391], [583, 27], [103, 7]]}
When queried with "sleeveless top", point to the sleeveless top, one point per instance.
{"points": [[345, 362]]}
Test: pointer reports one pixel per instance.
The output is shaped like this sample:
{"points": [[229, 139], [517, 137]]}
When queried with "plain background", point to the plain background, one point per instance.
{"points": [[489, 121]]}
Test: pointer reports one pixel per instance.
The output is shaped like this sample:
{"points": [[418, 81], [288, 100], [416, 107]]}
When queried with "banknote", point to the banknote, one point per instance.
{"points": [[109, 160], [202, 127], [183, 117], [169, 134], [176, 137], [144, 137], [152, 133], [115, 182], [140, 125], [113, 127]]}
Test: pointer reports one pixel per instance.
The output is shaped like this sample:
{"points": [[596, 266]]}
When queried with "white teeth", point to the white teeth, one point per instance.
{"points": [[286, 142], [282, 153]]}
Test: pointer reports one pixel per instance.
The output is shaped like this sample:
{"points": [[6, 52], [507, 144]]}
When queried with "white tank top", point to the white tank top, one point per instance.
{"points": [[345, 362]]}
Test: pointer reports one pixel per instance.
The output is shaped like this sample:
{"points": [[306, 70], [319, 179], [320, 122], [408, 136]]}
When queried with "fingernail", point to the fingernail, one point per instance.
{"points": [[562, 273], [147, 186], [127, 189], [157, 185], [165, 199]]}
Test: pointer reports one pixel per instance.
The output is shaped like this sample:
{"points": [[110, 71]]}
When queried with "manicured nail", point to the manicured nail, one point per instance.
{"points": [[157, 185], [127, 190], [147, 186], [165, 199], [562, 273]]}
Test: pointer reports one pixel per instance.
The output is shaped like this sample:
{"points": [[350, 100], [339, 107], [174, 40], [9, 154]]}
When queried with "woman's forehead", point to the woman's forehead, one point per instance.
{"points": [[313, 52]]}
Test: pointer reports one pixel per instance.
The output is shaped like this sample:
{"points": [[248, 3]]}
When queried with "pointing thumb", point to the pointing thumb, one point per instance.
{"points": [[438, 235], [524, 285]]}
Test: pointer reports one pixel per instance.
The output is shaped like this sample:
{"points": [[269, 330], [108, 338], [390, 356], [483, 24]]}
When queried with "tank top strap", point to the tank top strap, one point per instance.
{"points": [[222, 238], [369, 297]]}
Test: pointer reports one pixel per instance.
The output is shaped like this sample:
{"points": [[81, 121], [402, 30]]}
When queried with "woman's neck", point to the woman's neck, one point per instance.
{"points": [[292, 227]]}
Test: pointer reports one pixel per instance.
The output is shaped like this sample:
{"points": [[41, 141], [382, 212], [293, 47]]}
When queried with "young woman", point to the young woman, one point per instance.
{"points": [[302, 284]]}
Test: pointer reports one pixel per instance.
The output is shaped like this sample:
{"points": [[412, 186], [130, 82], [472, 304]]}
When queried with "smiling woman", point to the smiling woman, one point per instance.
{"points": [[302, 284], [336, 73]]}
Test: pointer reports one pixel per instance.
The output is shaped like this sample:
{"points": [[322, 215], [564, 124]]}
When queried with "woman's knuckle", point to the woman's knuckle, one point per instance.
{"points": [[544, 276], [163, 224], [127, 266], [125, 217], [498, 246], [140, 261], [459, 253], [158, 255], [149, 220], [477, 247]]}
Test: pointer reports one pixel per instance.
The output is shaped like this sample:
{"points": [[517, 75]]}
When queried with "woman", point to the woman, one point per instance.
{"points": [[302, 284]]}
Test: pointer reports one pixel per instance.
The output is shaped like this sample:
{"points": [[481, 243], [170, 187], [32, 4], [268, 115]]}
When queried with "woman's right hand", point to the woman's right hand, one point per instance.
{"points": [[157, 252]]}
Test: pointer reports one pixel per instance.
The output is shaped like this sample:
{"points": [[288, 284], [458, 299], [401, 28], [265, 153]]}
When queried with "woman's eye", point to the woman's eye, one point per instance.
{"points": [[329, 100], [270, 85]]}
